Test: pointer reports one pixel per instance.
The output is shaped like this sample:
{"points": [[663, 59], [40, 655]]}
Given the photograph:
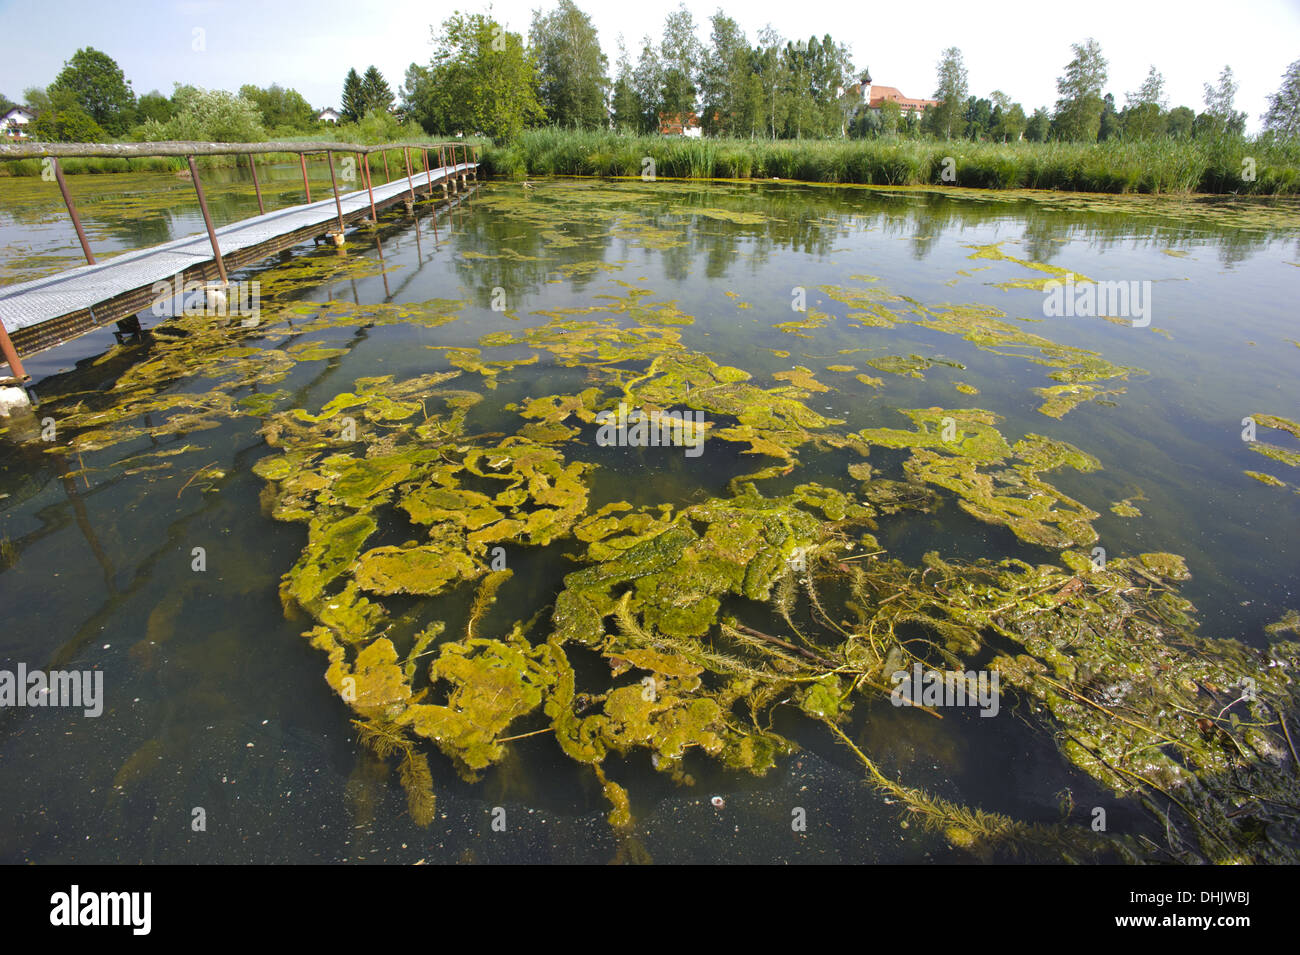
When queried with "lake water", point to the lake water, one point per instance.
{"points": [[843, 305]]}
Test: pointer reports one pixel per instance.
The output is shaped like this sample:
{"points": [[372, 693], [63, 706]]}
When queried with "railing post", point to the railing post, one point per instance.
{"points": [[428, 173], [365, 174], [72, 210], [11, 355], [306, 186], [442, 164], [207, 221], [252, 164], [447, 176], [410, 182], [329, 156], [387, 177]]}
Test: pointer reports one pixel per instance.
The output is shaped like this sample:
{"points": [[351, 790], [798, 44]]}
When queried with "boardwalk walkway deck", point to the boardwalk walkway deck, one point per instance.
{"points": [[45, 312]]}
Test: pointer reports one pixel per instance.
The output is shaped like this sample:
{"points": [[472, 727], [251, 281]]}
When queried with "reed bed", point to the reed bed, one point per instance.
{"points": [[1157, 166]]}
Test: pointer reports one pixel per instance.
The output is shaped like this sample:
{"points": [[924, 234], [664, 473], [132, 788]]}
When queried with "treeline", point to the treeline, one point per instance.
{"points": [[484, 79], [91, 100]]}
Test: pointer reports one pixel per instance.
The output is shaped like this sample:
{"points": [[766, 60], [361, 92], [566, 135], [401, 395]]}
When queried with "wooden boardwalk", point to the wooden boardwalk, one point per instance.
{"points": [[45, 312]]}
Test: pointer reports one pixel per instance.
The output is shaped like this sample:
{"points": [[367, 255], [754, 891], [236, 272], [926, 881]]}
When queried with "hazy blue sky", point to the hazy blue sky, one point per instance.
{"points": [[1019, 46]]}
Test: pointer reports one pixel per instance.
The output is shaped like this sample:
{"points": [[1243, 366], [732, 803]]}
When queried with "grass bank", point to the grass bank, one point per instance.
{"points": [[1161, 166]]}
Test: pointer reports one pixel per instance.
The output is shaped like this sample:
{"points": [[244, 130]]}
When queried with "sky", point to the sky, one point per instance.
{"points": [[1017, 46]]}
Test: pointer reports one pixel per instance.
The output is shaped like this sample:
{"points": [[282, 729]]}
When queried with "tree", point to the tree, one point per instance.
{"points": [[1008, 119], [279, 107], [37, 99], [1110, 125], [64, 121], [978, 118], [950, 90], [891, 118], [831, 71], [481, 80], [866, 123], [1078, 111], [771, 69], [414, 95], [97, 85], [1038, 126], [627, 108], [1283, 116], [647, 80], [353, 104], [571, 67], [1144, 116], [154, 105], [681, 53], [208, 115], [375, 95], [1220, 118], [729, 107], [1178, 124]]}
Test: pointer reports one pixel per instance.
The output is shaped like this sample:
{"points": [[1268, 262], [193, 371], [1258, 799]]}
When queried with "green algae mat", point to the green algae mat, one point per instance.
{"points": [[611, 497]]}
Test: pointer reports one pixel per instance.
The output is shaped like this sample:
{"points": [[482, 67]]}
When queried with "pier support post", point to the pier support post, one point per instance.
{"points": [[306, 186], [365, 172], [207, 221], [338, 206], [252, 165], [11, 355], [410, 182], [72, 211]]}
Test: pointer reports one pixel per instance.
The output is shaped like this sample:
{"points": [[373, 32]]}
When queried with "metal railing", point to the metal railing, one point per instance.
{"points": [[56, 151]]}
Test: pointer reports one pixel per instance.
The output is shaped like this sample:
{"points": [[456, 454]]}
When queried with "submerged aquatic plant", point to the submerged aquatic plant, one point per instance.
{"points": [[680, 602]]}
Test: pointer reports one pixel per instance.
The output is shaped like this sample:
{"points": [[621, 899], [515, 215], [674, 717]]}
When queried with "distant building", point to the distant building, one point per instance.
{"points": [[874, 97], [327, 116], [680, 124], [14, 123]]}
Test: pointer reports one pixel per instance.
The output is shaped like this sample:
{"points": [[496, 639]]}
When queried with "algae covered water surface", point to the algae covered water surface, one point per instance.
{"points": [[644, 521]]}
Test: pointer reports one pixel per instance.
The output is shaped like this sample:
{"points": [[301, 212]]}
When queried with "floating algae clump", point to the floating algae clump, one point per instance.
{"points": [[1058, 274], [813, 320], [1282, 455], [1062, 399], [948, 450], [1263, 478]]}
